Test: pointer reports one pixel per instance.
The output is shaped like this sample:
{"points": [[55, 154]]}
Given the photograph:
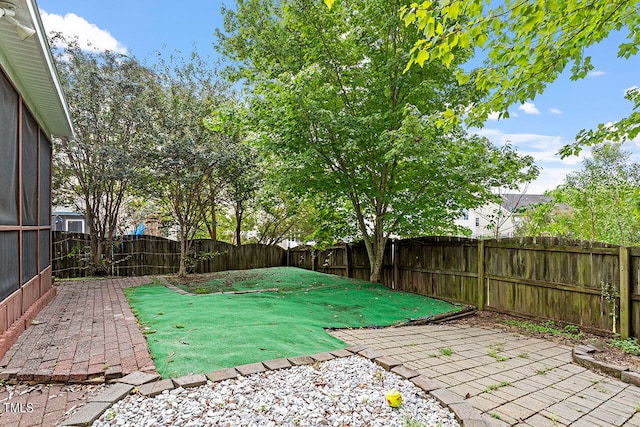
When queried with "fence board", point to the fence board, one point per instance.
{"points": [[547, 278], [149, 255]]}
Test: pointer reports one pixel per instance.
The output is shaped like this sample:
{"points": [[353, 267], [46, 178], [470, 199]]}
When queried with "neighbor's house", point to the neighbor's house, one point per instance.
{"points": [[32, 110], [68, 220], [500, 219]]}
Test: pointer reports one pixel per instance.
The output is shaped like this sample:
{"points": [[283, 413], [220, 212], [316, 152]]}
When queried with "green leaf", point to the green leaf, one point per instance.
{"points": [[423, 55]]}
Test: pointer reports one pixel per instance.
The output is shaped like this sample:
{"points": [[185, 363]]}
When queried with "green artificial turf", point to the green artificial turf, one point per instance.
{"points": [[202, 333]]}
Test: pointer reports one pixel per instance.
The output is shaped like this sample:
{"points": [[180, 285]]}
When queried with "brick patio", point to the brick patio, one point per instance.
{"points": [[87, 333], [513, 380]]}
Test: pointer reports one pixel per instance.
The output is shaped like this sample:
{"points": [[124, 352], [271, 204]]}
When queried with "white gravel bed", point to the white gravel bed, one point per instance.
{"points": [[341, 392]]}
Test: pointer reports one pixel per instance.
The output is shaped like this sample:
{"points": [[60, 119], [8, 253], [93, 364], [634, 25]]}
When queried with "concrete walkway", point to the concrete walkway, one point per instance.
{"points": [[514, 380]]}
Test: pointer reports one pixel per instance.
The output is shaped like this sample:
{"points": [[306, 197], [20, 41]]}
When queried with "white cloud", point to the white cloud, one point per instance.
{"points": [[529, 108], [554, 111], [90, 36], [544, 149], [494, 116], [596, 73]]}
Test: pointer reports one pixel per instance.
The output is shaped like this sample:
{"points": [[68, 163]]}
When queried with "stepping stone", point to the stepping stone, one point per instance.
{"points": [[251, 368], [356, 348], [322, 357], [371, 354], [611, 369], [9, 374], [113, 372], [222, 374], [341, 353], [188, 381], [277, 364], [87, 414], [138, 378], [301, 360], [584, 349], [631, 377], [463, 412], [387, 363], [427, 384], [114, 393], [156, 388], [446, 397], [405, 372]]}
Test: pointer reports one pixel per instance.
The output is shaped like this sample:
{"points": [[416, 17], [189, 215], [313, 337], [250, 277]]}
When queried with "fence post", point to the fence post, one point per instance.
{"points": [[481, 275], [396, 268], [625, 294], [346, 259]]}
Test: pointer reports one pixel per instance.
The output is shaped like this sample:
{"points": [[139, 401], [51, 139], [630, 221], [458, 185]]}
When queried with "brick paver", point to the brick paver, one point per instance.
{"points": [[42, 405], [85, 331], [511, 379]]}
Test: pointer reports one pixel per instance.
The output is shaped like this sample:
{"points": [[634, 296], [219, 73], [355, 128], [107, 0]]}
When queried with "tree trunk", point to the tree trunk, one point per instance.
{"points": [[184, 250], [238, 223], [213, 226], [96, 267], [378, 258]]}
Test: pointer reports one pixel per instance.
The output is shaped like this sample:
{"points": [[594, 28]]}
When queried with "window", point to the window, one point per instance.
{"points": [[75, 225], [477, 222]]}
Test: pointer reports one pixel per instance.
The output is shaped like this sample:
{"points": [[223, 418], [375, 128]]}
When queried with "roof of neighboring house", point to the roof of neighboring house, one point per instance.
{"points": [[511, 202], [31, 68]]}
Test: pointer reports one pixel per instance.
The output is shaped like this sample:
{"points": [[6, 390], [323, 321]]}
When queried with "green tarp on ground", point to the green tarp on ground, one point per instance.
{"points": [[202, 333]]}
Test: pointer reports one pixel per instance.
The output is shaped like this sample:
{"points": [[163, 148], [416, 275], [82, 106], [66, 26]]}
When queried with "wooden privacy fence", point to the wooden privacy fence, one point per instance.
{"points": [[147, 255], [546, 278]]}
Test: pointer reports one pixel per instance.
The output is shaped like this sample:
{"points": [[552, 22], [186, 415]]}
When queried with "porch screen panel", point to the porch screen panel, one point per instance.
{"points": [[29, 255], [29, 169], [9, 153], [45, 249], [9, 267], [45, 180]]}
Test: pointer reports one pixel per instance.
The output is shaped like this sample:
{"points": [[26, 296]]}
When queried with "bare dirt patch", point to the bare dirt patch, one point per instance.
{"points": [[553, 331]]}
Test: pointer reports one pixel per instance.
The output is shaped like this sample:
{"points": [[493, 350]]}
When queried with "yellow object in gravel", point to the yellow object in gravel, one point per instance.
{"points": [[394, 398]]}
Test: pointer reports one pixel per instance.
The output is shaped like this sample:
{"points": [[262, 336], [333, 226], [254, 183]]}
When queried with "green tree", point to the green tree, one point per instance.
{"points": [[598, 203], [527, 44], [332, 103], [189, 152], [243, 176], [111, 105]]}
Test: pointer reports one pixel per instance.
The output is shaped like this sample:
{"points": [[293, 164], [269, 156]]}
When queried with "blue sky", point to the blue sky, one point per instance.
{"points": [[539, 128]]}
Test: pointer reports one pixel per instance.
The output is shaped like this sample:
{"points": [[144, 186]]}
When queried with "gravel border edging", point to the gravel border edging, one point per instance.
{"points": [[151, 385], [581, 355]]}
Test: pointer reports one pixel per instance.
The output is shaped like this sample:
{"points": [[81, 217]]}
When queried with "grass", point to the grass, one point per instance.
{"points": [[493, 352], [409, 421], [494, 387], [548, 327], [202, 333], [543, 371], [446, 351], [629, 345]]}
